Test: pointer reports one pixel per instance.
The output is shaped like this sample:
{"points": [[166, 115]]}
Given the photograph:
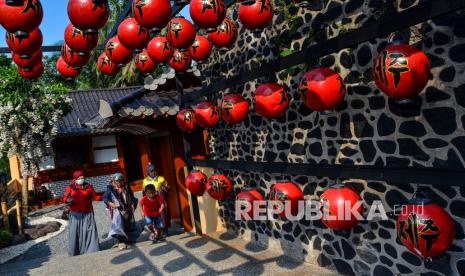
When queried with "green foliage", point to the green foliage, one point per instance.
{"points": [[5, 238], [289, 10]]}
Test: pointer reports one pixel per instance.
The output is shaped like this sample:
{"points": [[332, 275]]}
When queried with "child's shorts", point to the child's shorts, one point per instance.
{"points": [[157, 221]]}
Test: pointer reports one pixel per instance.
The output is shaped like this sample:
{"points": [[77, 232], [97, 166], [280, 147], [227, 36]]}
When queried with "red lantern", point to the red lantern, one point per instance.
{"points": [[425, 228], [144, 63], [88, 15], [401, 71], [21, 17], [234, 108], [25, 45], [186, 120], [225, 35], [287, 193], [152, 14], [160, 49], [335, 200], [132, 34], [80, 41], [66, 70], [200, 49], [207, 114], [257, 15], [248, 197], [181, 61], [322, 89], [106, 66], [180, 33], [28, 61], [32, 73], [195, 182], [271, 100], [208, 14], [116, 52], [73, 58], [219, 186]]}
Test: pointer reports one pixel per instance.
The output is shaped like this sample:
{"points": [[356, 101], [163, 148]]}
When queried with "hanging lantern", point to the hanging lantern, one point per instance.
{"points": [[286, 192], [66, 70], [322, 89], [73, 58], [425, 228], [335, 200], [180, 33], [132, 34], [144, 63], [234, 108], [106, 66], [160, 49], [248, 197], [181, 61], [256, 16], [32, 73], [401, 71], [225, 35], [25, 45], [116, 52], [186, 120], [200, 49], [88, 15], [21, 17], [79, 41], [271, 100], [195, 182], [28, 61], [154, 15], [219, 186], [208, 14], [207, 114]]}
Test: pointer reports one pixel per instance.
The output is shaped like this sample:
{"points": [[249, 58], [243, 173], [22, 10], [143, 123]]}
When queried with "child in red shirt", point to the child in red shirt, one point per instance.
{"points": [[151, 208]]}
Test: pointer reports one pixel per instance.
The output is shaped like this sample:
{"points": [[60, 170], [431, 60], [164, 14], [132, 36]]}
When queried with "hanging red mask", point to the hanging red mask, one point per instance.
{"points": [[25, 45], [116, 52], [286, 192], [248, 197], [133, 35], [207, 114], [334, 201], [234, 108], [225, 35], [32, 73], [88, 15], [271, 100], [29, 61], [425, 228], [160, 49], [181, 61], [66, 70], [195, 182], [401, 71], [106, 66], [200, 49], [219, 186], [180, 33], [152, 14], [322, 89], [186, 120], [256, 16], [207, 14], [144, 63], [21, 18], [73, 58], [79, 41]]}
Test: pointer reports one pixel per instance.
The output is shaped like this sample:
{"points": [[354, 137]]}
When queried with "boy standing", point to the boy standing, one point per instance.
{"points": [[151, 208]]}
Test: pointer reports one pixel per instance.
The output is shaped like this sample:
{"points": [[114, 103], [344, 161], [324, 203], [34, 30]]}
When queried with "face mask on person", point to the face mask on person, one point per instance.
{"points": [[80, 181]]}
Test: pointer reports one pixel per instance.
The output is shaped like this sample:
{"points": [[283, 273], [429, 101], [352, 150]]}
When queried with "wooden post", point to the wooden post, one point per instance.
{"points": [[18, 216], [6, 221], [25, 193]]}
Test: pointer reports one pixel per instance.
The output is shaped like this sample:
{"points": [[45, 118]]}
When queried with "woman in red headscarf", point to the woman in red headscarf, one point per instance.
{"points": [[82, 236]]}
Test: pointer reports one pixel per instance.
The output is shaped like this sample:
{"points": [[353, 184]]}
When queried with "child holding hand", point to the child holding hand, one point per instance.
{"points": [[151, 208]]}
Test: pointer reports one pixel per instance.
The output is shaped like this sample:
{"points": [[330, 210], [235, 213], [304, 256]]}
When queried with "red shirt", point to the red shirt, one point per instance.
{"points": [[151, 207], [82, 198]]}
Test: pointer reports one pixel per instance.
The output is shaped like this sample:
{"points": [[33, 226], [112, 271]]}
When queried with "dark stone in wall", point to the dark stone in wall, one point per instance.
{"points": [[346, 60], [353, 5], [394, 197], [435, 95], [345, 126], [441, 119], [364, 55], [381, 270], [377, 186], [412, 128], [411, 259], [457, 207], [369, 198], [408, 147], [447, 74], [366, 256], [403, 269], [357, 104], [298, 149], [327, 61], [362, 127], [377, 102], [441, 38], [343, 267], [406, 3], [390, 250], [395, 161], [316, 149], [323, 261], [459, 93], [368, 150], [435, 61], [457, 53], [386, 125], [434, 143]]}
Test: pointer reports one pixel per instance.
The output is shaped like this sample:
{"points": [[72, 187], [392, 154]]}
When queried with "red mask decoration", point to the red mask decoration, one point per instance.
{"points": [[160, 49], [334, 203], [132, 34], [225, 35], [180, 33], [200, 49], [286, 191], [207, 114], [208, 14], [106, 66], [234, 108], [23, 18], [219, 186], [401, 71], [322, 89], [425, 228], [88, 15], [73, 58], [66, 70], [152, 14], [186, 120], [25, 45], [195, 182], [256, 16], [34, 73], [116, 52], [181, 61], [271, 100], [249, 197], [144, 63], [29, 61], [80, 41]]}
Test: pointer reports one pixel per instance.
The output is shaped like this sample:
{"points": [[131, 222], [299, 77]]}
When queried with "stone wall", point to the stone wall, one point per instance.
{"points": [[367, 129], [58, 188]]}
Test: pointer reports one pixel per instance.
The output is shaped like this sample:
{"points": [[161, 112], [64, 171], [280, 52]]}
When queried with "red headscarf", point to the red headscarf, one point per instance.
{"points": [[76, 175]]}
